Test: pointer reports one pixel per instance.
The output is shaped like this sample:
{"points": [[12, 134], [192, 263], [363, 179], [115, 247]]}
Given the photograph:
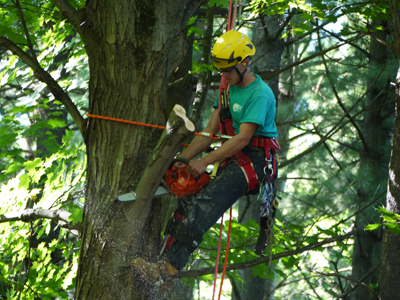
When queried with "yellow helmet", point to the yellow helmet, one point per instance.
{"points": [[231, 49]]}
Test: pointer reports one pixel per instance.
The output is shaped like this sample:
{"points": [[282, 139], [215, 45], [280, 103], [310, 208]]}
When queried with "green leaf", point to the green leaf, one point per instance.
{"points": [[261, 271], [374, 287], [69, 134], [372, 226], [7, 139], [51, 145], [220, 3], [76, 215], [56, 123], [395, 228], [298, 31], [32, 164], [24, 181]]}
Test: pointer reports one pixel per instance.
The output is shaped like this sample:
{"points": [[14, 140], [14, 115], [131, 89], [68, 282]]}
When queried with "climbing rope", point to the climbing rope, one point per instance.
{"points": [[226, 252], [205, 134], [224, 86]]}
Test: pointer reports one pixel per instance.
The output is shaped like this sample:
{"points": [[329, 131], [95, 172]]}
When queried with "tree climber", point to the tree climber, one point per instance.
{"points": [[246, 110]]}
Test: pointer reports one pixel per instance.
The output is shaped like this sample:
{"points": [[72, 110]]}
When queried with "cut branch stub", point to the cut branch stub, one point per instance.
{"points": [[178, 127]]}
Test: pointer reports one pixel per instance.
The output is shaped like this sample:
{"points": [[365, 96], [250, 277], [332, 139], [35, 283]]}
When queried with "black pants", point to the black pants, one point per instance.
{"points": [[209, 205]]}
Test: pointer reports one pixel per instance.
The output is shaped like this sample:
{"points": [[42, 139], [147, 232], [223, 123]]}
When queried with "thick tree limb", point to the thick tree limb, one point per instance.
{"points": [[177, 129], [33, 214], [71, 14], [264, 259], [43, 76]]}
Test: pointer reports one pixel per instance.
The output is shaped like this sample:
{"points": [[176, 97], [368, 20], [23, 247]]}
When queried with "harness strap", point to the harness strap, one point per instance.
{"points": [[248, 169], [270, 146]]}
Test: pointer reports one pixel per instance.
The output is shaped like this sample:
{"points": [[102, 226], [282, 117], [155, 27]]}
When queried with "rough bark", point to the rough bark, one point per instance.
{"points": [[366, 249], [132, 49], [389, 273]]}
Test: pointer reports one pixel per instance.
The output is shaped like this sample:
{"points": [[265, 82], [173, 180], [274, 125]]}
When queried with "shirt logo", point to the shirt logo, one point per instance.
{"points": [[237, 107]]}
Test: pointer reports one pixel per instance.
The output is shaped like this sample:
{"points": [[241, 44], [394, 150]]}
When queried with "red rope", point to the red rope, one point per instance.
{"points": [[226, 253], [222, 86], [219, 247]]}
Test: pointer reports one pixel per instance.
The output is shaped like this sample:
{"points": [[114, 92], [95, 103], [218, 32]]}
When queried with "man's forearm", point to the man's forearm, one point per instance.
{"points": [[197, 146]]}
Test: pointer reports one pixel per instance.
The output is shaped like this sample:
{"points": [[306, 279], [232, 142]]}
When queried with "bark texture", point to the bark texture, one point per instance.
{"points": [[132, 47], [389, 274], [366, 249]]}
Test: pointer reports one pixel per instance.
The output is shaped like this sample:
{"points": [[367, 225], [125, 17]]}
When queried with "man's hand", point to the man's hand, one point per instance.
{"points": [[197, 167], [179, 164]]}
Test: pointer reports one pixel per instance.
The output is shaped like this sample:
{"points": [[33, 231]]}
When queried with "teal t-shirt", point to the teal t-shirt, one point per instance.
{"points": [[254, 103]]}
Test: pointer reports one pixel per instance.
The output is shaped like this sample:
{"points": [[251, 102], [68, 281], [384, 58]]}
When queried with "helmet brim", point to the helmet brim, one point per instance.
{"points": [[224, 64]]}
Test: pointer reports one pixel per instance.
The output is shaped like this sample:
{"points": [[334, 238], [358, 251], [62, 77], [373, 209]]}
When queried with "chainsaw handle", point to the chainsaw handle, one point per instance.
{"points": [[181, 159]]}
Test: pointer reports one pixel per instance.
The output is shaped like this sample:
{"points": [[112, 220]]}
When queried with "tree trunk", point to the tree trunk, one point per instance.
{"points": [[389, 274], [366, 249], [132, 49]]}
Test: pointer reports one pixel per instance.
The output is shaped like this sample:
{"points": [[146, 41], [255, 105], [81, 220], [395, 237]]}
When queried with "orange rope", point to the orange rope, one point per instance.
{"points": [[226, 253], [211, 136], [222, 86]]}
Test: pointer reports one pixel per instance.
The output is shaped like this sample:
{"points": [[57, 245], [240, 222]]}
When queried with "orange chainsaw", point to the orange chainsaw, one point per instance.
{"points": [[179, 182]]}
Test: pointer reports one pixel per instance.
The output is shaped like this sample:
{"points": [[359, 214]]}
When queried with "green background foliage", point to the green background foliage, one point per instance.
{"points": [[42, 156]]}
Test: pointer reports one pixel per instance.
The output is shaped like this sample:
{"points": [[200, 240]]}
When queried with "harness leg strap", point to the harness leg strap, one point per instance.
{"points": [[248, 170]]}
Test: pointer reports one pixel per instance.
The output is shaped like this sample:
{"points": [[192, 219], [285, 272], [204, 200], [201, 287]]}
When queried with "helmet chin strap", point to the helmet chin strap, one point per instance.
{"points": [[241, 75]]}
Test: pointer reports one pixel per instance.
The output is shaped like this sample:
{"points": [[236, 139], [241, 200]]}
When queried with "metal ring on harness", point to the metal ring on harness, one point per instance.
{"points": [[270, 166]]}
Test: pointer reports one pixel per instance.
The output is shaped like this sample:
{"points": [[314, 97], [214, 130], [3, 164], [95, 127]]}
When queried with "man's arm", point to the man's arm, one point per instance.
{"points": [[200, 143], [229, 148]]}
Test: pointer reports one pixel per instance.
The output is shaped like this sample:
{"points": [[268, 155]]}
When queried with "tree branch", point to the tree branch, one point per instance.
{"points": [[341, 105], [44, 76], [358, 282], [284, 24], [264, 259], [21, 15], [33, 214], [190, 8], [343, 40], [269, 75], [71, 14], [335, 128]]}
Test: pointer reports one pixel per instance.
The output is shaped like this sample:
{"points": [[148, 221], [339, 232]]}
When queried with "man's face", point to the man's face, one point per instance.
{"points": [[232, 77]]}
